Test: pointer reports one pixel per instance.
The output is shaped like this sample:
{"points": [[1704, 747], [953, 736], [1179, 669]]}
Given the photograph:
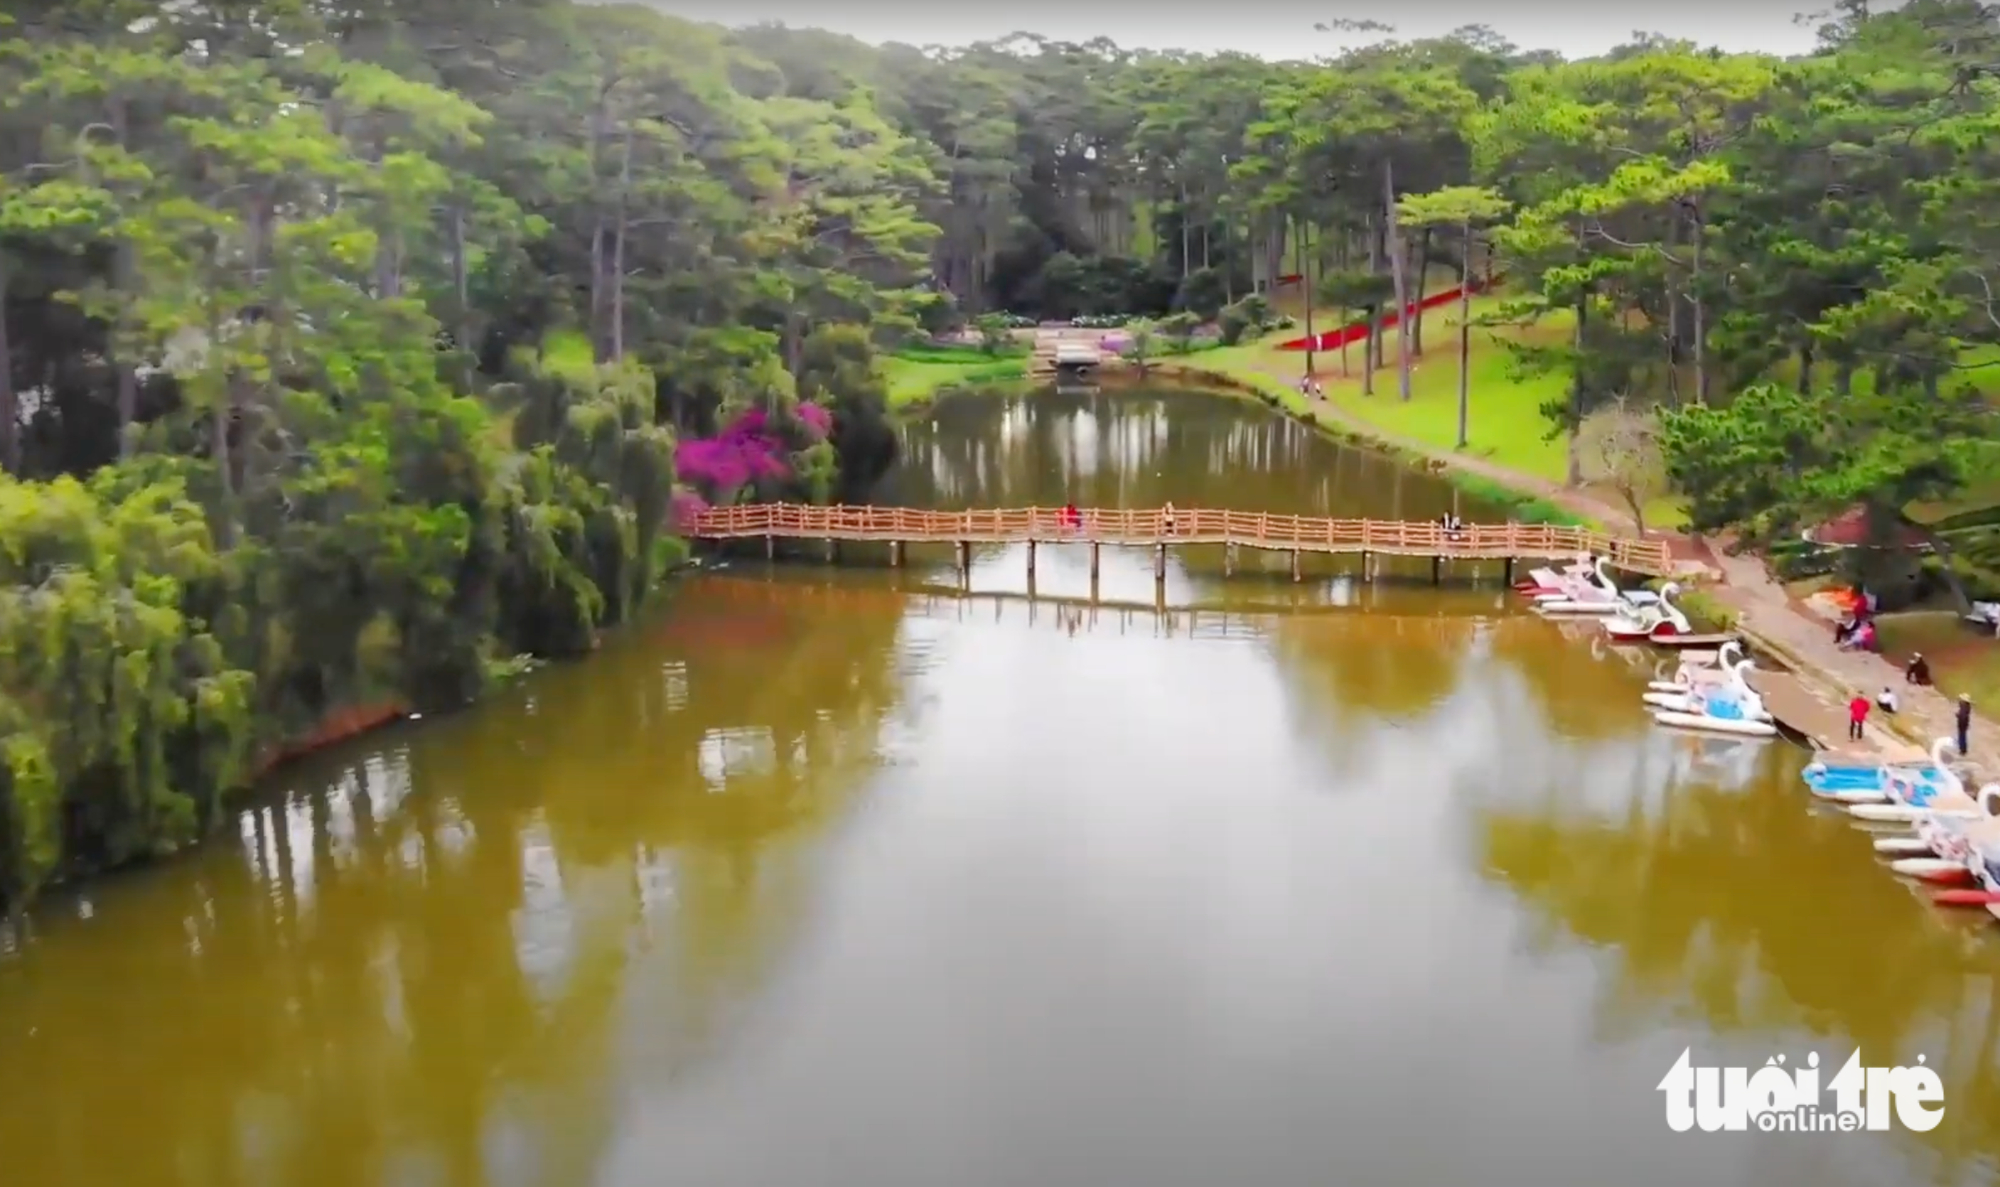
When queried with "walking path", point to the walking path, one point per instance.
{"points": [[1766, 613]]}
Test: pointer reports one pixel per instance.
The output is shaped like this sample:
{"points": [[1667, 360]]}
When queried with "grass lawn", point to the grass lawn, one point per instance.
{"points": [[913, 380], [1505, 424], [1962, 660]]}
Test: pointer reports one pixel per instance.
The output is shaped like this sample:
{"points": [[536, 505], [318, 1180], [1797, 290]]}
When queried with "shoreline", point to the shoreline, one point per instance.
{"points": [[1737, 593], [1772, 632]]}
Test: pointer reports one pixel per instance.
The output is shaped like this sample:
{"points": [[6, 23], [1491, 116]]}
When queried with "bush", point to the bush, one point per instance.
{"points": [[1202, 293], [996, 333], [1706, 610]]}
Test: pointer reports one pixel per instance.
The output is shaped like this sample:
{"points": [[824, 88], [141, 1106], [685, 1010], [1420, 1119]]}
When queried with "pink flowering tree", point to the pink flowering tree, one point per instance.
{"points": [[755, 454]]}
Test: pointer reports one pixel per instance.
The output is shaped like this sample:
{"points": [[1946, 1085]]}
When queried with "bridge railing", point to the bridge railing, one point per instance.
{"points": [[1191, 525]]}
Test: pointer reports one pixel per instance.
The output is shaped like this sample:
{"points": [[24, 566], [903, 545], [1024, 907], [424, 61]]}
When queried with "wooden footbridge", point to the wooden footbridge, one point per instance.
{"points": [[1160, 527]]}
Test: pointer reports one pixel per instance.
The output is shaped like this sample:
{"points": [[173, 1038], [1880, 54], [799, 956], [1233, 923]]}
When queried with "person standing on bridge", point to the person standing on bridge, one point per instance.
{"points": [[1167, 514]]}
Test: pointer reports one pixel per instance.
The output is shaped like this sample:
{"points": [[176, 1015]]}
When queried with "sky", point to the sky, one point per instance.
{"points": [[1280, 29]]}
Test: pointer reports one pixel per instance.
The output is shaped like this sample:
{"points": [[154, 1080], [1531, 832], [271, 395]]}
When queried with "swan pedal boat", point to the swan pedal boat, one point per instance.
{"points": [[1658, 619], [1863, 779], [1917, 797], [1597, 594], [1552, 581], [1736, 709], [1697, 670], [1982, 842]]}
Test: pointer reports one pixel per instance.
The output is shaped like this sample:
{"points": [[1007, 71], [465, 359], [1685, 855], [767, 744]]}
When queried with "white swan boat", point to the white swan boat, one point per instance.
{"points": [[1914, 797], [1597, 595], [1868, 781], [1558, 582], [1659, 618], [1696, 672], [1732, 708], [1982, 837]]}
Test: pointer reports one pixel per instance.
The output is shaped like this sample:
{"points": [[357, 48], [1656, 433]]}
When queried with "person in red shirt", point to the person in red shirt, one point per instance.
{"points": [[1857, 716]]}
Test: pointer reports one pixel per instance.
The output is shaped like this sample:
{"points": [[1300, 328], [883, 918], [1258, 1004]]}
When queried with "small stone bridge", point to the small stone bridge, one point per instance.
{"points": [[1157, 528]]}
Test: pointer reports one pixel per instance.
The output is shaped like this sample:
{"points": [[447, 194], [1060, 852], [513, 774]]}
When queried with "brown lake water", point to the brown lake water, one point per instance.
{"points": [[837, 877]]}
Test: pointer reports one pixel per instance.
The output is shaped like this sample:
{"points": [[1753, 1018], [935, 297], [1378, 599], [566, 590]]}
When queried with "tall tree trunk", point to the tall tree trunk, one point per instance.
{"points": [[461, 290], [1465, 336], [10, 402], [1700, 329], [1229, 253], [1276, 261], [122, 268], [1673, 294], [600, 127], [1187, 233], [1574, 477], [1371, 354], [1378, 259], [1305, 286], [1423, 283], [1398, 250], [1806, 369], [618, 249]]}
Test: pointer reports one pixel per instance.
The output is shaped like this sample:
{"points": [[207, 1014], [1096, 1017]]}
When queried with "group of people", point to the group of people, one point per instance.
{"points": [[1856, 632], [1451, 524], [1917, 672]]}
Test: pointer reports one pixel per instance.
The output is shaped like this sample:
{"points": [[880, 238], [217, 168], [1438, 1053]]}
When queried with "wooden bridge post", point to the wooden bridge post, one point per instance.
{"points": [[1367, 565], [1031, 563], [770, 547], [895, 554], [1094, 546], [964, 558], [1437, 570], [1507, 572], [1295, 565], [1229, 559], [1159, 563], [832, 551]]}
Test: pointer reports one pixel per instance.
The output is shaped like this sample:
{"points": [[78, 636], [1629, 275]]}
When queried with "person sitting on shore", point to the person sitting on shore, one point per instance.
{"points": [[1886, 701], [1919, 671], [1864, 639], [1844, 630]]}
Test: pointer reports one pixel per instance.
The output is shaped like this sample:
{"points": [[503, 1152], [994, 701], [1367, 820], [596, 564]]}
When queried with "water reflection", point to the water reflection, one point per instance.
{"points": [[1148, 447], [851, 876], [1737, 908], [415, 961]]}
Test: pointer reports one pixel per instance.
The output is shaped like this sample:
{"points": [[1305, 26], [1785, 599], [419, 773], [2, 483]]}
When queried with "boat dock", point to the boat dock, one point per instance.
{"points": [[1697, 643], [1798, 708]]}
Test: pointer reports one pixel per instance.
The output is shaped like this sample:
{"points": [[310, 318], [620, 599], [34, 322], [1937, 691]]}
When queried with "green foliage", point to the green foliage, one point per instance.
{"points": [[1179, 330], [364, 357], [1203, 293], [1246, 318], [996, 334]]}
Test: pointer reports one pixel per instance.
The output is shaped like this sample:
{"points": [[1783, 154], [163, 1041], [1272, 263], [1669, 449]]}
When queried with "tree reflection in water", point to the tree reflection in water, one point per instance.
{"points": [[410, 966], [1750, 911]]}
